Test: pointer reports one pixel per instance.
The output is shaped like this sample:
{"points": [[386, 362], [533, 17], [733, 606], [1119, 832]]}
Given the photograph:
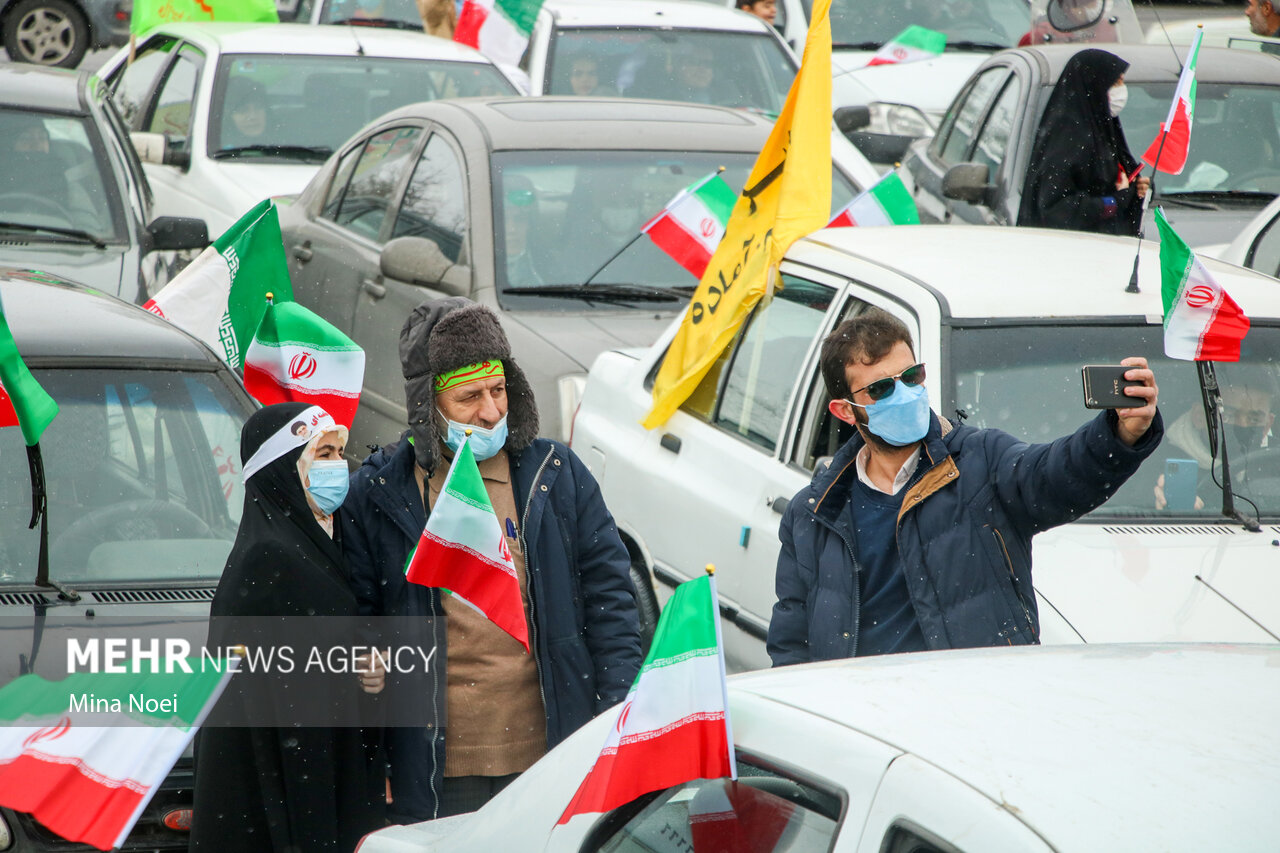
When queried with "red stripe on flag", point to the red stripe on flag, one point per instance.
{"points": [[8, 414], [493, 589], [1177, 141], [470, 21], [673, 239], [843, 219], [697, 749], [264, 388], [69, 797], [1221, 338]]}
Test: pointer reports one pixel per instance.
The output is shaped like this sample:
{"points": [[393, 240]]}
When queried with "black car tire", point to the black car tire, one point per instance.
{"points": [[46, 32], [646, 605]]}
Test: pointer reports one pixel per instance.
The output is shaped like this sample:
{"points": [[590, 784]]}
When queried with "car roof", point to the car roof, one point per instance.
{"points": [[1152, 62], [307, 39], [513, 124], [981, 272], [55, 320], [1153, 747], [39, 88], [667, 14]]}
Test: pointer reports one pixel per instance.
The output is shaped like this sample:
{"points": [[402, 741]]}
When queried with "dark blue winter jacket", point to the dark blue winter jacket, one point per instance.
{"points": [[964, 536], [584, 628]]}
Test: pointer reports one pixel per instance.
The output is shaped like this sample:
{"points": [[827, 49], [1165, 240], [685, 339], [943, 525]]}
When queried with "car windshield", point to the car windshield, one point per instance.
{"points": [[728, 69], [868, 24], [1235, 143], [596, 202], [1026, 380], [300, 108], [400, 14], [143, 475], [52, 185]]}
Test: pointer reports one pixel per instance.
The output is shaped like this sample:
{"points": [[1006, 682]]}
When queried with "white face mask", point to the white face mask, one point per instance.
{"points": [[1118, 96]]}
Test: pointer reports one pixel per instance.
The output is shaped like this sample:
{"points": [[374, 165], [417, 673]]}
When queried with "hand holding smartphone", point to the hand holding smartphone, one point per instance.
{"points": [[1104, 386]]}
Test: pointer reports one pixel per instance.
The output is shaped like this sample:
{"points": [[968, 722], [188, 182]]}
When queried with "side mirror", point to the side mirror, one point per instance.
{"points": [[159, 148], [418, 260], [1066, 17], [967, 182], [849, 119], [175, 233]]}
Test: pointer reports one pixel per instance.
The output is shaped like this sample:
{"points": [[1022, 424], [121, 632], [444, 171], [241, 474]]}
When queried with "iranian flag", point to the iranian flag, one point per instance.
{"points": [[221, 296], [674, 723], [912, 44], [1201, 322], [23, 403], [1173, 140], [497, 28], [148, 14], [463, 550], [84, 755], [298, 356], [690, 227], [885, 203]]}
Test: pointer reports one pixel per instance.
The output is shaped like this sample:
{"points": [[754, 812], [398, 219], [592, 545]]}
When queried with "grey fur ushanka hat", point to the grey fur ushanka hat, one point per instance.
{"points": [[440, 336]]}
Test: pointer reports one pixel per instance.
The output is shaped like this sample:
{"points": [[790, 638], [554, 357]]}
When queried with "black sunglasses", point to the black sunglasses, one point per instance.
{"points": [[881, 388]]}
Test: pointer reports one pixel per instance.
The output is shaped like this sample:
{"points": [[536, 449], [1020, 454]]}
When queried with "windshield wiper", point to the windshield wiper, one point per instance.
{"points": [[1181, 200], [75, 233], [1211, 396], [389, 23], [1226, 195], [292, 152], [858, 45], [606, 292], [975, 45]]}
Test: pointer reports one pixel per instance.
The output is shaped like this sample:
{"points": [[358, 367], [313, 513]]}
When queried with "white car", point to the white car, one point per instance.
{"points": [[1004, 318], [225, 115], [1219, 31], [1258, 244], [1074, 750]]}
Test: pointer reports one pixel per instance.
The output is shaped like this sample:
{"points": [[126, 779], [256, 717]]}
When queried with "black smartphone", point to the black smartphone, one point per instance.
{"points": [[1104, 386]]}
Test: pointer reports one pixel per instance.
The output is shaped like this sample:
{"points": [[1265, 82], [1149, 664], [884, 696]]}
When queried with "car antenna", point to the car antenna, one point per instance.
{"points": [[356, 39], [1211, 394]]}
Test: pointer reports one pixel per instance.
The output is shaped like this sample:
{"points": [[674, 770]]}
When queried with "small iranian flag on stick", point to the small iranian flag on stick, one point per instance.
{"points": [[87, 766], [221, 296], [885, 203], [1201, 322], [464, 550], [497, 28], [23, 402], [912, 44], [1173, 140], [298, 356], [674, 723], [690, 227]]}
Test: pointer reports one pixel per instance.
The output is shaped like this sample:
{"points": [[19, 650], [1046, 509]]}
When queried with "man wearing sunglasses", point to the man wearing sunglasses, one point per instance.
{"points": [[918, 535]]}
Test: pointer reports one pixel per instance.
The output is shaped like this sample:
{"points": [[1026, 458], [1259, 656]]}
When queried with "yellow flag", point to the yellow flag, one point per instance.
{"points": [[787, 196]]}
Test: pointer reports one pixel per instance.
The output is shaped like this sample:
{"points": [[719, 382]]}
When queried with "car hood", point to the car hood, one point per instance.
{"points": [[246, 184], [1127, 583], [582, 337], [1200, 228], [100, 269], [928, 84]]}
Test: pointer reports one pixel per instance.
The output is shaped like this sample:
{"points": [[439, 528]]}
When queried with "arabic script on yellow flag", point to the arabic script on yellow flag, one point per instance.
{"points": [[787, 196]]}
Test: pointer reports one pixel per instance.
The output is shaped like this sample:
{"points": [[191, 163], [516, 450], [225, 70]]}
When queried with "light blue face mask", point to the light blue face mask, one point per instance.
{"points": [[485, 443], [329, 479], [902, 418]]}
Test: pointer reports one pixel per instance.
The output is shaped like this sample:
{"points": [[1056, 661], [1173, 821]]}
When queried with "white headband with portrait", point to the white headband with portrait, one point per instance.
{"points": [[296, 432]]}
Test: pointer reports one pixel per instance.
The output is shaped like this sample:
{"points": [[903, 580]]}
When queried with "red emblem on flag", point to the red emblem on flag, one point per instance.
{"points": [[302, 366], [1200, 296], [708, 227], [622, 717], [48, 733], [503, 550], [899, 53]]}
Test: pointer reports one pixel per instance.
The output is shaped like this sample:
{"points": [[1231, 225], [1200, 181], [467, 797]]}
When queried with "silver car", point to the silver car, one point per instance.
{"points": [[530, 206]]}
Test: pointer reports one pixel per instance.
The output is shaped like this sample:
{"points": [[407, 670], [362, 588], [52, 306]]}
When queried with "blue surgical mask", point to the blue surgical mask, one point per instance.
{"points": [[329, 479], [902, 418], [485, 443]]}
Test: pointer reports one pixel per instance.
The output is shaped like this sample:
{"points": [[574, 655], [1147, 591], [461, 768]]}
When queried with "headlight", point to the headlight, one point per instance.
{"points": [[898, 120], [571, 386]]}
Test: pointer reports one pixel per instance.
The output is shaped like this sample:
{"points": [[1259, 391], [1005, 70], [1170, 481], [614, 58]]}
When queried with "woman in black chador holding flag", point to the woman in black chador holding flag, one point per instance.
{"points": [[1081, 175], [267, 779]]}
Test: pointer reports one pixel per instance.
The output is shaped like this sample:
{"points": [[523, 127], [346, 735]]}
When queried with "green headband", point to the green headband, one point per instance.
{"points": [[469, 373]]}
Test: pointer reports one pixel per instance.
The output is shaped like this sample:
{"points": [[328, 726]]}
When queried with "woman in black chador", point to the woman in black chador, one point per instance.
{"points": [[265, 779], [1081, 175]]}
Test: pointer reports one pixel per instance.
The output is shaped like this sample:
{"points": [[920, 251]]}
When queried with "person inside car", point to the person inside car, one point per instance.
{"points": [[766, 10], [246, 106], [1264, 19], [918, 535]]}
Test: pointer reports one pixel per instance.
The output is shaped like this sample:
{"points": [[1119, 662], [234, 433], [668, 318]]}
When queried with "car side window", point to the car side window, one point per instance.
{"points": [[435, 205], [757, 379], [966, 119], [172, 112], [993, 139], [1264, 255], [761, 812], [341, 177], [133, 85], [383, 161]]}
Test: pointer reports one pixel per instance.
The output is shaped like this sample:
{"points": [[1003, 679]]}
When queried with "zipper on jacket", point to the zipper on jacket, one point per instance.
{"points": [[528, 577], [435, 703], [1026, 613]]}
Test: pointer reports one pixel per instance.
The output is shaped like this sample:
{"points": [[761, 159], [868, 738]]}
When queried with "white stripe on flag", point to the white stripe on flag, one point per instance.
{"points": [[666, 695], [308, 368]]}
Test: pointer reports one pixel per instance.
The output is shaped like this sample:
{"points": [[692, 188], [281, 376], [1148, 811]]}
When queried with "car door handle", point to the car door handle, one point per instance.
{"points": [[779, 505], [302, 253], [371, 287], [670, 442]]}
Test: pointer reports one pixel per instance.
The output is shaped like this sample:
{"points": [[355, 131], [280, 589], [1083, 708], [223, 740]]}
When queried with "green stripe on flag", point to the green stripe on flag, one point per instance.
{"points": [[254, 252], [718, 196], [465, 483], [922, 38], [289, 323], [686, 627], [521, 13], [1175, 264], [31, 403], [897, 203]]}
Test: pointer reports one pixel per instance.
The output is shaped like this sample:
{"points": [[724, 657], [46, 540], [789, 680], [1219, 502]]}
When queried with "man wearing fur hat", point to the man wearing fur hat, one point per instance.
{"points": [[502, 709]]}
